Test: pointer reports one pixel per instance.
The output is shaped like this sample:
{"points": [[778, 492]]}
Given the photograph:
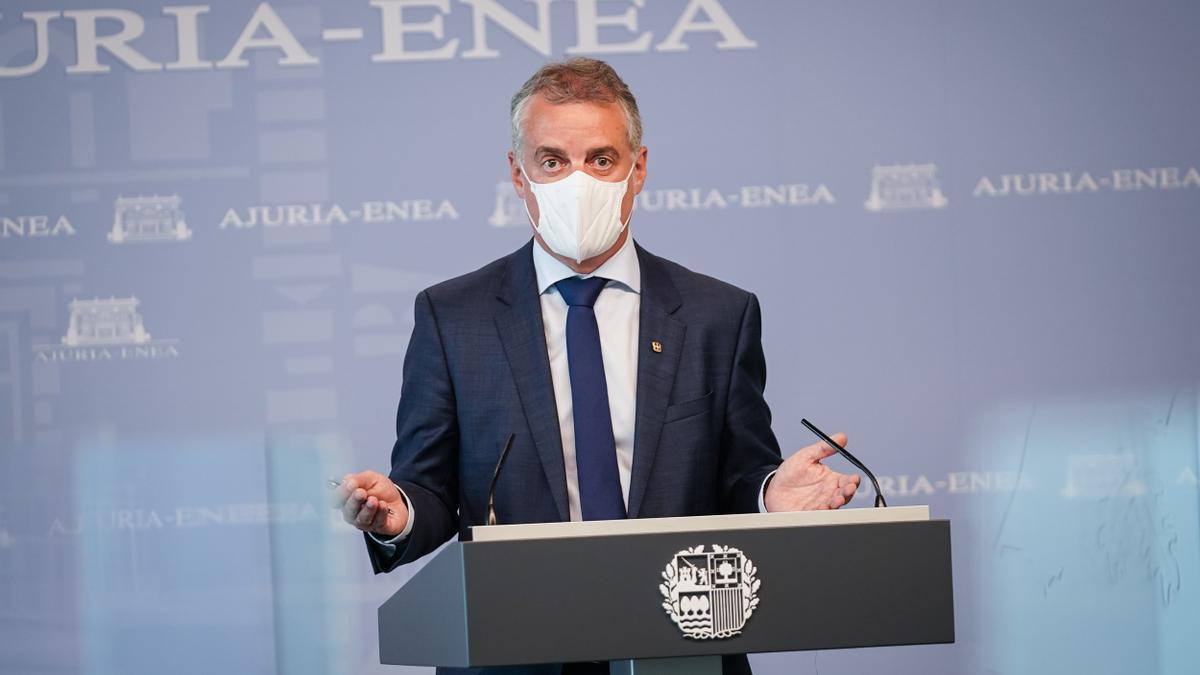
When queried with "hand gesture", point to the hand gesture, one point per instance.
{"points": [[803, 483], [372, 503]]}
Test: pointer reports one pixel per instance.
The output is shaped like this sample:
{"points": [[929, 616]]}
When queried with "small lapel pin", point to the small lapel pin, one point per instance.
{"points": [[656, 346]]}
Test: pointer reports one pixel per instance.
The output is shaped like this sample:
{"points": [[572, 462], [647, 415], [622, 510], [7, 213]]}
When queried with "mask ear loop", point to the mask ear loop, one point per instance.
{"points": [[632, 204], [528, 186]]}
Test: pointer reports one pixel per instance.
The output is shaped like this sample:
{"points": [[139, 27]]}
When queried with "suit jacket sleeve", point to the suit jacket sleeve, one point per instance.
{"points": [[750, 451], [425, 456]]}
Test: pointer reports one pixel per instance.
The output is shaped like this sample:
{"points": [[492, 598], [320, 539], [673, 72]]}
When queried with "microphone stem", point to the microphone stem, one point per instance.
{"points": [[879, 500], [491, 509]]}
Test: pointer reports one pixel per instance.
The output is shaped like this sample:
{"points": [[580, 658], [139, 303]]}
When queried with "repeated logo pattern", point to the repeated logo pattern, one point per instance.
{"points": [[145, 219]]}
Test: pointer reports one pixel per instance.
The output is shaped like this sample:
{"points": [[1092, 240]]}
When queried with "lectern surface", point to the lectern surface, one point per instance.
{"points": [[736, 521]]}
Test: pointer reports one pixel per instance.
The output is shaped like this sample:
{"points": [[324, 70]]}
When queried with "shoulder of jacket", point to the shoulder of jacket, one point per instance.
{"points": [[474, 284], [698, 286]]}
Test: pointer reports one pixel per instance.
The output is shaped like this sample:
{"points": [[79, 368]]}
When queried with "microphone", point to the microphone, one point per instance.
{"points": [[879, 500], [491, 514]]}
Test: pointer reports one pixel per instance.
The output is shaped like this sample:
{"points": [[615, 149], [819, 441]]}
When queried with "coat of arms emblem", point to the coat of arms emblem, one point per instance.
{"points": [[710, 594]]}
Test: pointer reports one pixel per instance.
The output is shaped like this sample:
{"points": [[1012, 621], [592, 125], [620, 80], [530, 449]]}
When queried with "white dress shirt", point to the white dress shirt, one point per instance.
{"points": [[617, 315]]}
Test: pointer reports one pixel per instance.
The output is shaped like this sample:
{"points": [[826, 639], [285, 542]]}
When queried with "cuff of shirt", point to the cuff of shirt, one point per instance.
{"points": [[412, 515], [762, 493]]}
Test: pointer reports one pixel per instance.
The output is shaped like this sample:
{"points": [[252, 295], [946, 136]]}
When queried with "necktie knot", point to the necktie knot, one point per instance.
{"points": [[579, 292]]}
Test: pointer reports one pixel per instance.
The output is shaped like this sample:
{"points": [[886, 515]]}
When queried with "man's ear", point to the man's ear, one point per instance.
{"points": [[518, 180], [639, 169]]}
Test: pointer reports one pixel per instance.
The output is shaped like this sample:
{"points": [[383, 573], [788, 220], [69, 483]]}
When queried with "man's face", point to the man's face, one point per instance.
{"points": [[561, 139]]}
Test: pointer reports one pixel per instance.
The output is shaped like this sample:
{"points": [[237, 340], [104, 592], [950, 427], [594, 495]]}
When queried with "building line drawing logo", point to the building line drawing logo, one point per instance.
{"points": [[106, 329], [902, 187], [509, 211], [114, 321], [710, 594], [147, 219]]}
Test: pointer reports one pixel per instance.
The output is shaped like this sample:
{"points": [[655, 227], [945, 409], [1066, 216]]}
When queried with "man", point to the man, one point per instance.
{"points": [[630, 386]]}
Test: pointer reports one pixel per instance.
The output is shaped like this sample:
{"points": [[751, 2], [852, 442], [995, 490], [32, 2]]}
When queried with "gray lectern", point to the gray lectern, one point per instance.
{"points": [[670, 595]]}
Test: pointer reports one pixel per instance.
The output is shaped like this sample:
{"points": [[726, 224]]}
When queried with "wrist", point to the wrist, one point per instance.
{"points": [[399, 522], [768, 504]]}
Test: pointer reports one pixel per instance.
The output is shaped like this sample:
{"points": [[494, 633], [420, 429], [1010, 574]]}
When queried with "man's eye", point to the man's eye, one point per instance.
{"points": [[551, 165], [603, 163]]}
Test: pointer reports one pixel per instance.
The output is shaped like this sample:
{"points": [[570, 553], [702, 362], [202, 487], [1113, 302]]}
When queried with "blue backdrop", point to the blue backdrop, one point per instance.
{"points": [[972, 226]]}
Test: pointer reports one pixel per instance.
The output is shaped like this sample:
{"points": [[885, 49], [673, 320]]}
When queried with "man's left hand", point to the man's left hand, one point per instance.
{"points": [[803, 483]]}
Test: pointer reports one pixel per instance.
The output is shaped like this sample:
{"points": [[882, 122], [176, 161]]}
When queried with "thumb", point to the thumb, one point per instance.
{"points": [[820, 450], [366, 480]]}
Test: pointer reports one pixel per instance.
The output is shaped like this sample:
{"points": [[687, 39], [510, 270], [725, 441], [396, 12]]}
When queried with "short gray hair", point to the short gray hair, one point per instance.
{"points": [[575, 81]]}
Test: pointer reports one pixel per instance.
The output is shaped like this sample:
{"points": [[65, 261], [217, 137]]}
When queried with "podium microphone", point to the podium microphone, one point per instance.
{"points": [[491, 515], [879, 500]]}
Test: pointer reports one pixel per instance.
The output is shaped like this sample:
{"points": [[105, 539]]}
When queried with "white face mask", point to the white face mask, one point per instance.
{"points": [[579, 217]]}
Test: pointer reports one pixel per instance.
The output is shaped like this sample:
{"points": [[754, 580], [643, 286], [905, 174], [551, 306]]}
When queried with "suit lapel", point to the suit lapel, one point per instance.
{"points": [[656, 370], [524, 340]]}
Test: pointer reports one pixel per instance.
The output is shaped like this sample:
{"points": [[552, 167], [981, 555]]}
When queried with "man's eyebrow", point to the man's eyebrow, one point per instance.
{"points": [[606, 150], [548, 150]]}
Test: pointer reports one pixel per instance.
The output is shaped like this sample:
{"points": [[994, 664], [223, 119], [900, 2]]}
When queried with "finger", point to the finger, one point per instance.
{"points": [[353, 504], [381, 518], [366, 514], [812, 454], [831, 492], [839, 438], [820, 450], [340, 494], [343, 490], [848, 491], [846, 480]]}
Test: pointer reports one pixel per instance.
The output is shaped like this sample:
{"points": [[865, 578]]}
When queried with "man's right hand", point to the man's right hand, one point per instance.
{"points": [[371, 502]]}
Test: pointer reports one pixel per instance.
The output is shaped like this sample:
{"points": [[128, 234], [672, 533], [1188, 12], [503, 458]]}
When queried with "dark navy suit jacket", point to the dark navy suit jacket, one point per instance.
{"points": [[477, 370]]}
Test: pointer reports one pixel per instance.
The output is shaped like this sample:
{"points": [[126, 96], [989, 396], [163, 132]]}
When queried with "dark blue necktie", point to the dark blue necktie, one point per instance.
{"points": [[595, 450]]}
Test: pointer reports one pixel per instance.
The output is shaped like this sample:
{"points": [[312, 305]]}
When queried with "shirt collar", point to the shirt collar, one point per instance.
{"points": [[622, 268]]}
